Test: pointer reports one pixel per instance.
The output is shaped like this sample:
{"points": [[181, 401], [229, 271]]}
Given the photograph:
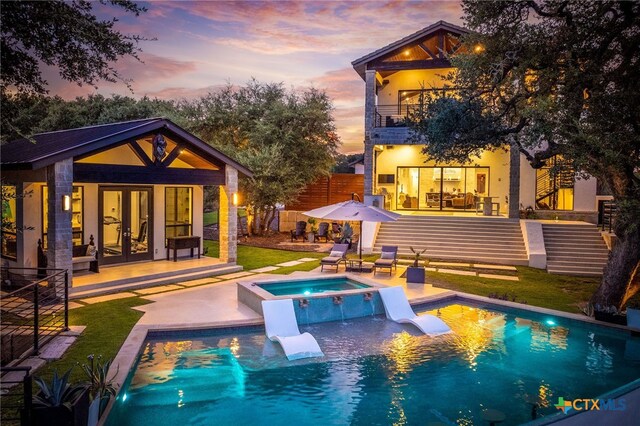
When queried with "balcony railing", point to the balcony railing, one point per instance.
{"points": [[394, 115], [34, 305]]}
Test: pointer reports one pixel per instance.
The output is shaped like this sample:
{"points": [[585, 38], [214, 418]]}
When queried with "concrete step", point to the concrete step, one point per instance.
{"points": [[586, 272], [466, 254], [451, 234], [135, 283], [579, 261], [445, 243]]}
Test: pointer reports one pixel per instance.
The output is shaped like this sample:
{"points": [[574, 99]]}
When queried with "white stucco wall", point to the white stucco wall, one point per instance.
{"points": [[585, 195], [409, 80]]}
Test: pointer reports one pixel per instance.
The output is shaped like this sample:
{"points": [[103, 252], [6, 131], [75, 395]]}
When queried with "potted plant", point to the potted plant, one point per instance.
{"points": [[100, 386], [609, 314], [59, 403], [416, 273], [311, 236], [633, 315]]}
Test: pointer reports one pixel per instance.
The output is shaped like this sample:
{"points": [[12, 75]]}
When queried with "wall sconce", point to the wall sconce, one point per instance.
{"points": [[66, 203], [234, 198]]}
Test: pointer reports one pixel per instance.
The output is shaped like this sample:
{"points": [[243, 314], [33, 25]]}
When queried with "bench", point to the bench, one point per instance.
{"points": [[82, 259]]}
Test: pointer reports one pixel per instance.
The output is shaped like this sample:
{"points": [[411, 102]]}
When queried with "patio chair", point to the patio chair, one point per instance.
{"points": [[281, 326], [388, 259], [323, 232], [397, 308], [338, 255], [300, 231]]}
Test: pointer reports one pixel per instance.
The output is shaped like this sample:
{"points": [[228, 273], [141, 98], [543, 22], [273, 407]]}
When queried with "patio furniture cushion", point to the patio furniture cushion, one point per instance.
{"points": [[335, 253], [387, 255], [384, 262], [331, 259]]}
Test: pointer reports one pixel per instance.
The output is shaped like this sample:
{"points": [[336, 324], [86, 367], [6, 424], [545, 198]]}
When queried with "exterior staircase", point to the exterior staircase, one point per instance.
{"points": [[574, 249], [472, 239]]}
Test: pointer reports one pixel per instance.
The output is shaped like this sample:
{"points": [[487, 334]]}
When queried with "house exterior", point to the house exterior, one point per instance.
{"points": [[125, 187], [399, 176]]}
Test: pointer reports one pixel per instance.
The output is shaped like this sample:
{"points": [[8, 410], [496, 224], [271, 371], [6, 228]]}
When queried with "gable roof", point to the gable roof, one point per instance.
{"points": [[44, 149], [360, 64]]}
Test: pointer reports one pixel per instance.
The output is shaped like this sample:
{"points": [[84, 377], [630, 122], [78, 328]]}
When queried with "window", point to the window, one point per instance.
{"points": [[554, 186], [178, 212], [77, 215], [9, 240]]}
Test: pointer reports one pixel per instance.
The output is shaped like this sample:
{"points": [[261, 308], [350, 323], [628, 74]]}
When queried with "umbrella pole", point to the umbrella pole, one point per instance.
{"points": [[360, 242]]}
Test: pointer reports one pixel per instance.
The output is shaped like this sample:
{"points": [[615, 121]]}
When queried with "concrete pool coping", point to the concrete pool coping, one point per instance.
{"points": [[128, 353]]}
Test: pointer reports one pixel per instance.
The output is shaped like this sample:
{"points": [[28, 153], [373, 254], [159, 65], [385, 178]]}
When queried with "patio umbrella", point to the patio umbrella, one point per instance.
{"points": [[353, 211]]}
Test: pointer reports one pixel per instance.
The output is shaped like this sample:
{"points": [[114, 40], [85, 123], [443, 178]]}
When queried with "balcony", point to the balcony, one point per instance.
{"points": [[395, 115]]}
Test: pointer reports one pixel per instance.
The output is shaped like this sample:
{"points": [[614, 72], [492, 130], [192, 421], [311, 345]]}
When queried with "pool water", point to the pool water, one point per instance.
{"points": [[377, 372], [308, 287]]}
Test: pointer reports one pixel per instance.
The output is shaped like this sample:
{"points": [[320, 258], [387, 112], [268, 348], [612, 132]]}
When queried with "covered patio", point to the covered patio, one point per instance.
{"points": [[116, 194]]}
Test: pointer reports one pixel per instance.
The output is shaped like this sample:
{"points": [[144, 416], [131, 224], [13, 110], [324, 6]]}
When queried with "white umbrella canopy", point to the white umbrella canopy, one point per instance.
{"points": [[353, 210]]}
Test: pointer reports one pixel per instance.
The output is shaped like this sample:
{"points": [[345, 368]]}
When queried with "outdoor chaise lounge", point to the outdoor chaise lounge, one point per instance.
{"points": [[388, 259], [281, 326], [338, 254], [397, 308]]}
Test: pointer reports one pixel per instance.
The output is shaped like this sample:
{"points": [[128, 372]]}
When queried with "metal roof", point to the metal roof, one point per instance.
{"points": [[44, 149]]}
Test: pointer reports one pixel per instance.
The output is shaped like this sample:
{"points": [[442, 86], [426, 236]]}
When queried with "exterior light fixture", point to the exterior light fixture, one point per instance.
{"points": [[234, 198], [478, 48], [406, 53], [66, 203]]}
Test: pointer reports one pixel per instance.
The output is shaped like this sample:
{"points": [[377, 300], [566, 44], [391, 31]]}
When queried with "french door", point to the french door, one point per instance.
{"points": [[125, 224]]}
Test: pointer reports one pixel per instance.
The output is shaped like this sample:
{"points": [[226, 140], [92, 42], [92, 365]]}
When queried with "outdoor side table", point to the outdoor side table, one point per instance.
{"points": [[178, 243]]}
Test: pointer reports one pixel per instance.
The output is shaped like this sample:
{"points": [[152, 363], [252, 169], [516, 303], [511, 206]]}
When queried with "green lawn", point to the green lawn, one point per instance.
{"points": [[258, 257], [212, 217]]}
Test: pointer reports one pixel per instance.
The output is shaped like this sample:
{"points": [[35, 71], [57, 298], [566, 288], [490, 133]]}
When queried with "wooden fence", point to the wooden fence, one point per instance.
{"points": [[329, 190]]}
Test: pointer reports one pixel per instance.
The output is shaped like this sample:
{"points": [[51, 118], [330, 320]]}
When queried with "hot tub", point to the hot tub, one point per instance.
{"points": [[317, 298]]}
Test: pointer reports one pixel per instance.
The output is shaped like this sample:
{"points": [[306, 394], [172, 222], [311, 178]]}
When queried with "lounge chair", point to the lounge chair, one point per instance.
{"points": [[281, 326], [397, 308], [323, 232], [388, 259], [338, 255], [300, 231]]}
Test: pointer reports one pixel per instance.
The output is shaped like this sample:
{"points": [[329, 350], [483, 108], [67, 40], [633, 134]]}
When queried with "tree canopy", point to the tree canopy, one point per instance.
{"points": [[63, 34], [552, 77]]}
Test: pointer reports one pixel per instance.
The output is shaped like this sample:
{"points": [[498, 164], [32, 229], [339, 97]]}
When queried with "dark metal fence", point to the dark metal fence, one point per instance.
{"points": [[34, 304], [608, 215], [17, 395], [394, 115]]}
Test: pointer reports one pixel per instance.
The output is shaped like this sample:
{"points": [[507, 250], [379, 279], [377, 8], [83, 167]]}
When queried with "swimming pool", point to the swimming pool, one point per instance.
{"points": [[308, 287], [378, 372]]}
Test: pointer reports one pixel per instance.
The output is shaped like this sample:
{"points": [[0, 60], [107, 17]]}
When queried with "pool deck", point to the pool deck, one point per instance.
{"points": [[215, 306]]}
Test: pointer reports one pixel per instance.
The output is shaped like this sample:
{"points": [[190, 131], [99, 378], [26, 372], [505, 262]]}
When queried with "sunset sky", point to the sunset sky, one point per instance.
{"points": [[204, 44]]}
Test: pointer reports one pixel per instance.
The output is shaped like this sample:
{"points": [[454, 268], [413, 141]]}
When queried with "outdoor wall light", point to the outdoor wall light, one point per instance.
{"points": [[66, 203], [234, 198]]}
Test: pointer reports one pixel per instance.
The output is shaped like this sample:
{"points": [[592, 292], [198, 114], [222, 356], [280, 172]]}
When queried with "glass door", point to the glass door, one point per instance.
{"points": [[126, 224]]}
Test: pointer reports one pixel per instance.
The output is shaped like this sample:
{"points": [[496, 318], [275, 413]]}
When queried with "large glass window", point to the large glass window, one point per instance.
{"points": [[77, 215], [178, 212], [441, 188], [9, 240]]}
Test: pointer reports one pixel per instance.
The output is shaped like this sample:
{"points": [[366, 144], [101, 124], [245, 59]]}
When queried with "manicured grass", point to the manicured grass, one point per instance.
{"points": [[536, 287], [108, 325], [258, 257], [210, 218]]}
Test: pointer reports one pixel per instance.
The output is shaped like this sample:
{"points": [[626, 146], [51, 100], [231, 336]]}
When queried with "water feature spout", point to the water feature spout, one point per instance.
{"points": [[337, 300], [368, 297], [303, 303]]}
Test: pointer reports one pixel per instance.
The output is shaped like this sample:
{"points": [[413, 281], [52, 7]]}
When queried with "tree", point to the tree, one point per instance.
{"points": [[64, 34], [552, 78], [286, 138]]}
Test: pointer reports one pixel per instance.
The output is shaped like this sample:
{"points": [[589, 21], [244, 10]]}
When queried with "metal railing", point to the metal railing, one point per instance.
{"points": [[17, 395], [35, 308], [608, 215], [395, 115]]}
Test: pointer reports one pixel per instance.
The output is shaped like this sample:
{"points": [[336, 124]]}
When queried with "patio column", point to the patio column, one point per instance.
{"points": [[369, 158], [369, 100], [514, 182], [228, 218], [59, 232]]}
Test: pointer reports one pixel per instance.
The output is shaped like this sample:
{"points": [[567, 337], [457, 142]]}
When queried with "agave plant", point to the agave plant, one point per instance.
{"points": [[58, 393], [99, 384], [417, 254], [347, 233]]}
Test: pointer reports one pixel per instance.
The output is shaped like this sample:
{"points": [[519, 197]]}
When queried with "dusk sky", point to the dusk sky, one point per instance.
{"points": [[202, 45]]}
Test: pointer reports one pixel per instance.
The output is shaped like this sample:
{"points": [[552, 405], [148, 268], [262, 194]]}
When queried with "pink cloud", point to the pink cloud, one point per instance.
{"points": [[343, 85]]}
